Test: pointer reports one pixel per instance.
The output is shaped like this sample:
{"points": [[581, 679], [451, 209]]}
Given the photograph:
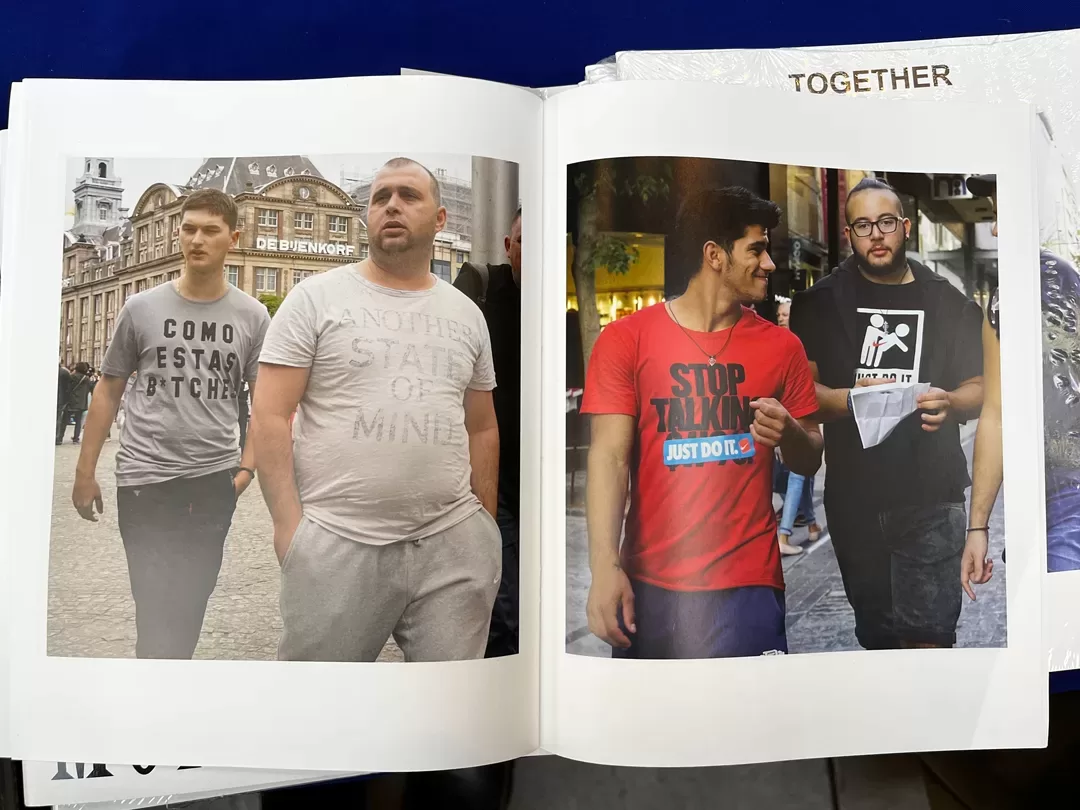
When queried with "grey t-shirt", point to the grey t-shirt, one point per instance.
{"points": [[380, 448], [181, 415]]}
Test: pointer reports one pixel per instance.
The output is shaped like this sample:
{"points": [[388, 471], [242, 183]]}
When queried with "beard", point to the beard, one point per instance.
{"points": [[898, 261]]}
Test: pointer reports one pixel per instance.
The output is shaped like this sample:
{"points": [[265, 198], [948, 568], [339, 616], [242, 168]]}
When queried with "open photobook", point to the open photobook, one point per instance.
{"points": [[1038, 68], [418, 422]]}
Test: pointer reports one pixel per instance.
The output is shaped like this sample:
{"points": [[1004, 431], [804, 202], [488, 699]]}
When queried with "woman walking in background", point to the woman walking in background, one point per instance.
{"points": [[799, 490]]}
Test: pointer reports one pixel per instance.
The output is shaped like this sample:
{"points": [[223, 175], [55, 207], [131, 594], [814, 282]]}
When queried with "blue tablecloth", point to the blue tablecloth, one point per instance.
{"points": [[524, 43]]}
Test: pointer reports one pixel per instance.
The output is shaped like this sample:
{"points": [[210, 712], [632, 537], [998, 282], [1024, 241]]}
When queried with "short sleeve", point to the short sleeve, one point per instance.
{"points": [[483, 376], [292, 337], [262, 323], [122, 356], [799, 396], [968, 355], [801, 322], [610, 378]]}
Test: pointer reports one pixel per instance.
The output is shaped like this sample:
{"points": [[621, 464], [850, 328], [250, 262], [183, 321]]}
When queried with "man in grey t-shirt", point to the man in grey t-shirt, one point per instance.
{"points": [[383, 495], [192, 344]]}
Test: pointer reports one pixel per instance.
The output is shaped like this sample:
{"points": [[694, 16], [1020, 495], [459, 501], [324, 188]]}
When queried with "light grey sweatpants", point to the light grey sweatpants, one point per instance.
{"points": [[341, 600]]}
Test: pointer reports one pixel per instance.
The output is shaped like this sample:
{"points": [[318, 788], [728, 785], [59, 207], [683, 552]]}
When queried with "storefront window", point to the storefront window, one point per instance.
{"points": [[622, 294], [805, 213]]}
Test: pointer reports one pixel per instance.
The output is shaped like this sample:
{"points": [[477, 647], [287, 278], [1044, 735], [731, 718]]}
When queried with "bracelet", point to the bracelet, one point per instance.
{"points": [[979, 529], [248, 470], [850, 409]]}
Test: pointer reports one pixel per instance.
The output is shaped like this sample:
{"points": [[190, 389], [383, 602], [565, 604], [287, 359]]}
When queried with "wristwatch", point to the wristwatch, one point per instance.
{"points": [[248, 470]]}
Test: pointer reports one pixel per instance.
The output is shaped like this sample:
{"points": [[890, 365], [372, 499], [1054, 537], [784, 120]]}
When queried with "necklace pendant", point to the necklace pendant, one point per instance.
{"points": [[712, 360]]}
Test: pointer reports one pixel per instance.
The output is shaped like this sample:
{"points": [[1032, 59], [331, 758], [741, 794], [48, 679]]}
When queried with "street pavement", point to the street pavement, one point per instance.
{"points": [[91, 613], [819, 618]]}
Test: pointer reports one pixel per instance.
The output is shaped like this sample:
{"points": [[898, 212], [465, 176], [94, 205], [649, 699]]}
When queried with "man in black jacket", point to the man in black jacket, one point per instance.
{"points": [[63, 388], [496, 289], [895, 511], [78, 401]]}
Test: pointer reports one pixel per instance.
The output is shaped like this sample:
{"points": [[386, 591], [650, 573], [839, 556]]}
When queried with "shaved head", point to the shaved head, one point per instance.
{"points": [[403, 162]]}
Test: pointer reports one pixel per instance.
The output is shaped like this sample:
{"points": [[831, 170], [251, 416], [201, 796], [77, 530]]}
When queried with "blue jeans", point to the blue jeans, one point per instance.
{"points": [[799, 500]]}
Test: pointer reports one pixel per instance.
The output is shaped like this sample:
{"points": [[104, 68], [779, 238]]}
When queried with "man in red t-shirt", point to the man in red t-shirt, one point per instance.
{"points": [[688, 398]]}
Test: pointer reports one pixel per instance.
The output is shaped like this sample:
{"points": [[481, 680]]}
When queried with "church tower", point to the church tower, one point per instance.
{"points": [[98, 196]]}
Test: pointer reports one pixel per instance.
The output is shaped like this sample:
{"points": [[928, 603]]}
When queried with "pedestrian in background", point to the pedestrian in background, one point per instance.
{"points": [[63, 390], [798, 489], [496, 289], [78, 402]]}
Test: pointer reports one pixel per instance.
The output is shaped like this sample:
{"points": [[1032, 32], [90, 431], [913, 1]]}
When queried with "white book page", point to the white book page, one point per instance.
{"points": [[253, 713], [1041, 69], [9, 149], [727, 711]]}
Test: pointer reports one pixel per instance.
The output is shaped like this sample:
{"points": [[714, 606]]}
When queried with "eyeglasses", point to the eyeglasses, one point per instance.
{"points": [[863, 228]]}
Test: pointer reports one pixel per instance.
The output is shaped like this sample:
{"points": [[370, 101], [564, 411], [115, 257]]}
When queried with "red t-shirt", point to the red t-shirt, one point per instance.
{"points": [[701, 515]]}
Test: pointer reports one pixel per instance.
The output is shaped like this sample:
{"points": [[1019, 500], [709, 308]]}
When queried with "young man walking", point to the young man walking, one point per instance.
{"points": [[384, 499], [895, 511], [688, 400], [179, 470]]}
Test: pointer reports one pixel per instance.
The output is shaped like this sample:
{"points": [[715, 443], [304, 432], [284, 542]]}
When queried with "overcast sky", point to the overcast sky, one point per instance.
{"points": [[138, 174]]}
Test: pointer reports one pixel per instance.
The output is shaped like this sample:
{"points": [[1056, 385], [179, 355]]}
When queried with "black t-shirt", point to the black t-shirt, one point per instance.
{"points": [[502, 311], [899, 335]]}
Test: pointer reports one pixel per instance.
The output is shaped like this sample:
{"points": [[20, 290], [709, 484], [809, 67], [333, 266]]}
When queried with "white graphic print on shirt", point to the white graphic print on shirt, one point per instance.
{"points": [[890, 344]]}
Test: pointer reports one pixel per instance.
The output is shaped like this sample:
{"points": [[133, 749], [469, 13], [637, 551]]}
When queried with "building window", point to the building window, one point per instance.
{"points": [[300, 275], [159, 251], [271, 170], [127, 259], [159, 229], [266, 279], [363, 250], [108, 330], [125, 294], [441, 269], [84, 309], [173, 276], [103, 211], [232, 274], [140, 285], [253, 168], [110, 301], [339, 225], [70, 266], [461, 256], [102, 170], [304, 221], [267, 218]]}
